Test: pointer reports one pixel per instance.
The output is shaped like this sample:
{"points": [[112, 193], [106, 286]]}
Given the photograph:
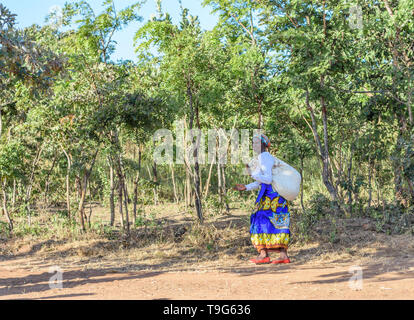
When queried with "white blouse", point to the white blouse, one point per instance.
{"points": [[263, 171]]}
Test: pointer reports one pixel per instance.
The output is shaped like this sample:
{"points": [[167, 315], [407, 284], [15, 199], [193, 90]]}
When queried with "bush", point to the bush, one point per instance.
{"points": [[319, 205], [4, 229], [33, 230], [315, 210]]}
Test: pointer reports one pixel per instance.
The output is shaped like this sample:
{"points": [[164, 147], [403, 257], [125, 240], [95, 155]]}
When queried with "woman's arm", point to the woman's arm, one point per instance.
{"points": [[252, 186]]}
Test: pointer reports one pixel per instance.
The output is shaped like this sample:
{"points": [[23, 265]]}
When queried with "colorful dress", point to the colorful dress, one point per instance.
{"points": [[269, 225]]}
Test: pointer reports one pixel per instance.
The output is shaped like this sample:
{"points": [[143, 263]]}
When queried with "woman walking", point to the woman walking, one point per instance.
{"points": [[269, 225]]}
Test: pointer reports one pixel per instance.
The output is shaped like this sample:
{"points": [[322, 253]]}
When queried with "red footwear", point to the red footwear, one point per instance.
{"points": [[281, 261], [263, 261]]}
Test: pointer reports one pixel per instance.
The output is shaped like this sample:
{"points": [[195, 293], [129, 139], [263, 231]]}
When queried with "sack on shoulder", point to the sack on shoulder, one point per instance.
{"points": [[286, 180]]}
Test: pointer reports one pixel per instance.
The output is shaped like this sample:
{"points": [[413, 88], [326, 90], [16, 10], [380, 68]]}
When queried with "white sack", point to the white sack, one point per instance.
{"points": [[286, 180]]}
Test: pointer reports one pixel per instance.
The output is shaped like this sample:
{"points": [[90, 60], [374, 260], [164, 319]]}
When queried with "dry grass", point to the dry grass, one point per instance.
{"points": [[171, 240]]}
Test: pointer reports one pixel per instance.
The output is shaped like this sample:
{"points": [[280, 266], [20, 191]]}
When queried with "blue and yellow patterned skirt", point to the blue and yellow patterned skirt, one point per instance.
{"points": [[269, 225]]}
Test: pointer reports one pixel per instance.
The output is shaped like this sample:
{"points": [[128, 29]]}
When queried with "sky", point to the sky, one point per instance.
{"points": [[35, 11]]}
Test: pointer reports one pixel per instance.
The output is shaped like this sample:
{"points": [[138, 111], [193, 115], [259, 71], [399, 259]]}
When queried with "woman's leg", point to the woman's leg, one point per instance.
{"points": [[283, 254], [263, 254]]}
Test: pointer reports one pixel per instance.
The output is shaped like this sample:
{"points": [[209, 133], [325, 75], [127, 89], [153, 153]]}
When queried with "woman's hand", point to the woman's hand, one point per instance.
{"points": [[240, 187]]}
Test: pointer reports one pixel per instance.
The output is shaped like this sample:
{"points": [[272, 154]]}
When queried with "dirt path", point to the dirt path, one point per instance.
{"points": [[213, 268], [317, 281]]}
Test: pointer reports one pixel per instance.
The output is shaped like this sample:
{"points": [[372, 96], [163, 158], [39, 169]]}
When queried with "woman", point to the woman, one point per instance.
{"points": [[269, 225]]}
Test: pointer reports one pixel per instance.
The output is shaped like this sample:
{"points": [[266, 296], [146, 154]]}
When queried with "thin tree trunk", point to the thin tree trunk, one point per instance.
{"points": [[301, 185], [369, 183], [123, 190], [14, 195], [83, 189], [219, 187], [327, 172], [126, 206], [324, 151], [155, 180], [69, 159], [5, 210], [223, 169], [112, 192], [173, 182], [120, 199], [1, 121], [78, 189], [259, 111], [201, 181], [136, 184], [187, 188], [350, 182], [123, 194], [90, 206], [378, 189], [208, 180], [195, 155]]}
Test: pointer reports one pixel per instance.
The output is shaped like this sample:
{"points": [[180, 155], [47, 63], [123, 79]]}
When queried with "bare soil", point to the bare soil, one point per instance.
{"points": [[211, 263]]}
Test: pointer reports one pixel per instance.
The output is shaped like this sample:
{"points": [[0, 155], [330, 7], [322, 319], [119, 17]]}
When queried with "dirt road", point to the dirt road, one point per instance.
{"points": [[317, 281], [98, 268]]}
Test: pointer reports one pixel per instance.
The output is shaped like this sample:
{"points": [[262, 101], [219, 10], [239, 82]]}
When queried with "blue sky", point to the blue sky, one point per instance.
{"points": [[30, 12]]}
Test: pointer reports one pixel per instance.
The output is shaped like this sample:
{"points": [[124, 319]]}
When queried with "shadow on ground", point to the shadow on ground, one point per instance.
{"points": [[394, 262]]}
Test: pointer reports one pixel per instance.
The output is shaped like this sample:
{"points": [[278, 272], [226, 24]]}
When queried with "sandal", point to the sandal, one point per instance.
{"points": [[263, 261], [281, 261]]}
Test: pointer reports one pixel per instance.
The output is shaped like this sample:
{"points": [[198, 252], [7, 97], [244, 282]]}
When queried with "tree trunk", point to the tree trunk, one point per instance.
{"points": [[398, 181], [126, 206], [223, 169], [173, 182], [14, 195], [155, 179], [259, 111], [326, 167], [1, 121], [195, 154], [187, 188], [81, 209], [123, 190], [323, 151], [198, 192], [83, 188], [350, 182], [78, 189], [112, 192], [378, 189], [136, 184], [369, 183], [5, 210], [208, 180], [120, 200], [301, 185], [90, 206], [69, 159], [219, 187]]}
